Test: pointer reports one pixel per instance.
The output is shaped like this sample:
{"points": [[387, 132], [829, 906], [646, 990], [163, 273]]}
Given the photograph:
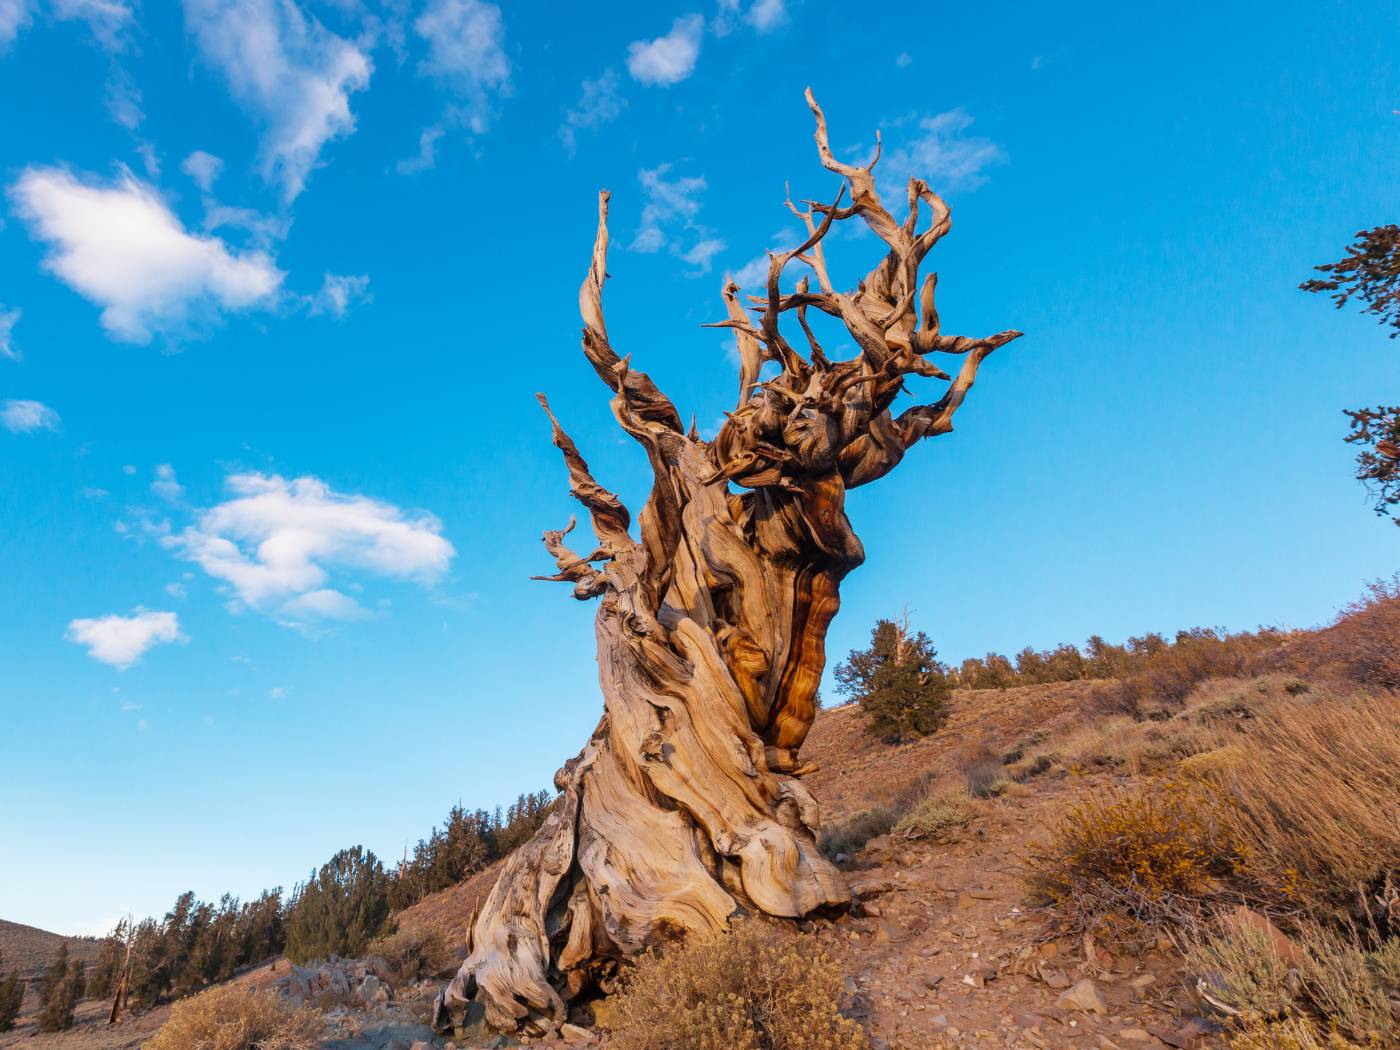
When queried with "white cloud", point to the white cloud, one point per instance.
{"points": [[668, 59], [766, 15], [108, 20], [702, 253], [8, 320], [465, 50], [338, 292], [752, 274], [177, 590], [427, 153], [292, 72], [120, 640], [123, 99], [121, 247], [668, 201], [203, 168], [668, 218], [23, 417], [942, 154], [128, 469], [14, 16], [166, 486], [904, 60], [277, 692], [276, 541], [601, 103]]}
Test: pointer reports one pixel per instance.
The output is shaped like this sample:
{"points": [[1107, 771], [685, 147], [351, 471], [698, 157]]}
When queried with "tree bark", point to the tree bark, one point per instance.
{"points": [[687, 804]]}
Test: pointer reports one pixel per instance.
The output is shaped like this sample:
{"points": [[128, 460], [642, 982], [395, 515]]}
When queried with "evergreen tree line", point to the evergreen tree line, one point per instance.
{"points": [[467, 842], [1148, 654], [904, 690], [338, 910]]}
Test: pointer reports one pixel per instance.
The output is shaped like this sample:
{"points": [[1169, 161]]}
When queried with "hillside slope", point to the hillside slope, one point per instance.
{"points": [[30, 949]]}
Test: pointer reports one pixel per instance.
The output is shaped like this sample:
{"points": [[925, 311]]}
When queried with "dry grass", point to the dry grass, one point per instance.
{"points": [[982, 768], [1315, 809], [751, 987], [1125, 860], [1289, 1034], [231, 1017], [1335, 986], [1242, 970], [940, 813]]}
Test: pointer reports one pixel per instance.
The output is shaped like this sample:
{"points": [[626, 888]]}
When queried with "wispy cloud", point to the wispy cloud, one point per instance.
{"points": [[203, 168], [8, 320], [601, 103], [668, 218], [294, 74], [108, 20], [166, 486], [466, 52], [668, 59], [427, 152], [121, 640], [24, 417], [276, 541], [763, 16], [338, 292], [939, 150], [121, 247], [15, 15]]}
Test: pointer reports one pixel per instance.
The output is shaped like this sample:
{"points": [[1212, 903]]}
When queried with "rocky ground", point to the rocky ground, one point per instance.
{"points": [[943, 951]]}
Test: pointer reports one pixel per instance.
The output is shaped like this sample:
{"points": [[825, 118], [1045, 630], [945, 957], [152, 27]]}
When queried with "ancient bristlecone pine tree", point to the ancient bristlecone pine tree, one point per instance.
{"points": [[687, 803]]}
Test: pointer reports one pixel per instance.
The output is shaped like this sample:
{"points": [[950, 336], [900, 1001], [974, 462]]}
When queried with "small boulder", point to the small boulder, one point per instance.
{"points": [[1084, 996]]}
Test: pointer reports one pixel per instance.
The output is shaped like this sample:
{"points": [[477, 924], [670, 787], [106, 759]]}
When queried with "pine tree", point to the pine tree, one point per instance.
{"points": [[62, 996], [11, 998], [54, 973], [901, 687], [340, 908]]}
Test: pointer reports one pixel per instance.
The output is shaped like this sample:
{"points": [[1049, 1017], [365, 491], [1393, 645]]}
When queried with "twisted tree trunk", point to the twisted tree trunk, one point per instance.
{"points": [[687, 803]]}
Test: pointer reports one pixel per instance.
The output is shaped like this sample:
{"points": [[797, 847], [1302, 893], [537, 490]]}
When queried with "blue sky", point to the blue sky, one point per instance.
{"points": [[278, 282]]}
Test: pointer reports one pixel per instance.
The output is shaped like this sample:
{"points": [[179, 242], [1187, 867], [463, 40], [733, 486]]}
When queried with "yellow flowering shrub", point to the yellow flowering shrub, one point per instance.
{"points": [[1149, 856]]}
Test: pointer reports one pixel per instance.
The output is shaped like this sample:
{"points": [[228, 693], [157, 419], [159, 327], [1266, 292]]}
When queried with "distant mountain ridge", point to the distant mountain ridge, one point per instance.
{"points": [[30, 949]]}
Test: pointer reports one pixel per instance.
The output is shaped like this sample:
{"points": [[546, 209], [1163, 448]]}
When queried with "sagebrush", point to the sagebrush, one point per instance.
{"points": [[753, 986], [231, 1017]]}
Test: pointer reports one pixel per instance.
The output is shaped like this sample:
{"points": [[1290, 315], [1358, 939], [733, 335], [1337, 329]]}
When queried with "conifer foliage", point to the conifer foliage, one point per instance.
{"points": [[11, 996], [63, 985], [898, 681], [340, 909]]}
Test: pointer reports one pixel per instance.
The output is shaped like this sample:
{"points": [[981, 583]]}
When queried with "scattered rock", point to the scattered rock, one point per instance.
{"points": [[1057, 979], [1135, 1035], [573, 1033], [1083, 996], [1247, 919]]}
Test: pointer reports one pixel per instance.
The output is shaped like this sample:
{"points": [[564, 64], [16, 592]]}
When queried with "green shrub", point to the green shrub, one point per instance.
{"points": [[753, 986]]}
